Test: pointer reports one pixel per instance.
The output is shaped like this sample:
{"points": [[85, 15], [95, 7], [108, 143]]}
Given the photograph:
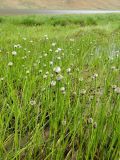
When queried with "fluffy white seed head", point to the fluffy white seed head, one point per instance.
{"points": [[95, 76], [45, 76], [68, 70], [83, 91], [14, 53], [62, 89], [72, 40], [53, 44], [40, 71], [117, 90], [45, 55], [90, 120], [57, 69], [24, 38], [114, 86], [32, 103], [53, 83], [10, 64], [59, 77], [2, 78], [59, 58], [47, 73], [27, 72], [51, 63]]}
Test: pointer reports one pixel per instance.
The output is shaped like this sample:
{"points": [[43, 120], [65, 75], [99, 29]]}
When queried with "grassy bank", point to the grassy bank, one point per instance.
{"points": [[60, 87], [63, 20]]}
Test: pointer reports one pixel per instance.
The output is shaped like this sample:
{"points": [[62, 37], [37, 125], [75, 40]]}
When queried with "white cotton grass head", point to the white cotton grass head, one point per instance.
{"points": [[31, 41], [44, 76], [91, 97], [15, 46], [59, 58], [83, 91], [93, 55], [50, 50], [14, 53], [35, 64], [44, 65], [51, 75], [32, 102], [94, 76], [58, 50], [90, 121], [62, 89], [57, 69], [45, 55], [41, 57], [68, 70], [81, 79], [59, 77], [51, 63], [53, 83], [64, 122], [114, 86], [46, 36], [19, 46], [117, 90], [2, 79], [27, 72], [24, 57], [53, 44], [113, 67], [77, 69], [47, 73], [72, 40], [38, 62], [40, 71], [10, 64], [74, 93], [24, 38], [95, 125], [43, 89]]}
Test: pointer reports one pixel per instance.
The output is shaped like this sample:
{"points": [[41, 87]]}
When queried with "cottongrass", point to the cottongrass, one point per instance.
{"points": [[61, 98], [45, 76], [14, 53], [10, 64], [32, 102], [53, 44], [117, 90], [53, 83], [2, 79], [57, 69], [59, 77], [68, 70]]}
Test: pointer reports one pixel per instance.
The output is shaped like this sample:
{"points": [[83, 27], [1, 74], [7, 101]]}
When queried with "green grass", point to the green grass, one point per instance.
{"points": [[39, 121]]}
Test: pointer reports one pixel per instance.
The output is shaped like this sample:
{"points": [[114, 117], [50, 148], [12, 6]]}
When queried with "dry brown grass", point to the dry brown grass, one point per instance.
{"points": [[61, 4]]}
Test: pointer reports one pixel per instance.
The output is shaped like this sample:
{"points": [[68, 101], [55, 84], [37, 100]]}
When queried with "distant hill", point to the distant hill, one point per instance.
{"points": [[61, 4]]}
